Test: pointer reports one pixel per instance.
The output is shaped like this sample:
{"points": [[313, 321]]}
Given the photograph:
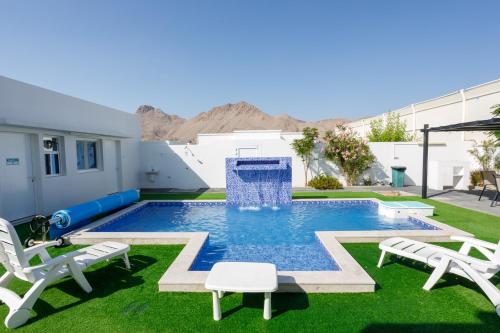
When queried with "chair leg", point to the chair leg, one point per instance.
{"points": [[493, 202], [20, 311], [77, 274], [216, 305], [465, 249], [482, 192], [126, 261], [437, 273], [486, 286], [267, 306], [381, 260], [6, 278]]}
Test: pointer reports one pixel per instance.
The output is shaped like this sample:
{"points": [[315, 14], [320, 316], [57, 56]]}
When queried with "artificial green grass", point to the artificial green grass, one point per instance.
{"points": [[124, 301]]}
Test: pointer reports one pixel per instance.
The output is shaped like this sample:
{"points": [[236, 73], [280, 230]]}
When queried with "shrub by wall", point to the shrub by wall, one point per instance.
{"points": [[325, 182]]}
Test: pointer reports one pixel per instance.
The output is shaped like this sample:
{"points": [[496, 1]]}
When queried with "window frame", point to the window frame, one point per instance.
{"points": [[97, 155], [59, 153]]}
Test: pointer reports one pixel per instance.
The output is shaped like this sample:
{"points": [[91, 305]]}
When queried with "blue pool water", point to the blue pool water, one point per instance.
{"points": [[284, 237]]}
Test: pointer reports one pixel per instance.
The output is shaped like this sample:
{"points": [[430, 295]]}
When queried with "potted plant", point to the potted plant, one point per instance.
{"points": [[475, 179]]}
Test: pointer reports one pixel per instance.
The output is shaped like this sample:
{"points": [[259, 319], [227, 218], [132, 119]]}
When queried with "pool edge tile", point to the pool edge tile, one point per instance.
{"points": [[351, 278]]}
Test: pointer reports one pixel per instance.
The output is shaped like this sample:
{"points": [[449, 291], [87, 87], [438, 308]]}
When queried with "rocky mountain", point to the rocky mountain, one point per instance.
{"points": [[157, 125]]}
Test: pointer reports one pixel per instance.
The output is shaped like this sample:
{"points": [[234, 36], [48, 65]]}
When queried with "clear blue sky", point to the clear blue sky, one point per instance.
{"points": [[310, 59]]}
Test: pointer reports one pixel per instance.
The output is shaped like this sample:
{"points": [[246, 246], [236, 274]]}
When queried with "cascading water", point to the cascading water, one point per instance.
{"points": [[254, 182]]}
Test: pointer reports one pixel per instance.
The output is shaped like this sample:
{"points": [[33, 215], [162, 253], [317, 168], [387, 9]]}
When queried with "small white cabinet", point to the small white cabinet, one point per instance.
{"points": [[454, 174]]}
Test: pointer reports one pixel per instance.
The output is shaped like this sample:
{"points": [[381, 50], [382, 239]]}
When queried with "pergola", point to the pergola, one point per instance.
{"points": [[477, 126]]}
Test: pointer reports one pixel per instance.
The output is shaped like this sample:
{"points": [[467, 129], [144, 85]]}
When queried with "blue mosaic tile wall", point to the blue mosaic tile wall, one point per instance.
{"points": [[259, 181]]}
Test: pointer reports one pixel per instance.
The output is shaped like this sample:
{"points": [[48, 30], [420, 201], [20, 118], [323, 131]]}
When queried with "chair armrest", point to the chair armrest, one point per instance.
{"points": [[475, 242], [37, 248], [470, 260], [60, 260], [40, 250]]}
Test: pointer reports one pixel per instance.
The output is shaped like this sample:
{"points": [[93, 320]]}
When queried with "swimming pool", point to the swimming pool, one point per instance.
{"points": [[285, 237]]}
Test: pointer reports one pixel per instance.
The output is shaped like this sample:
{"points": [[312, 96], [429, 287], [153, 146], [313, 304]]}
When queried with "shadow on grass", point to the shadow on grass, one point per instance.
{"points": [[281, 303], [104, 281], [489, 320]]}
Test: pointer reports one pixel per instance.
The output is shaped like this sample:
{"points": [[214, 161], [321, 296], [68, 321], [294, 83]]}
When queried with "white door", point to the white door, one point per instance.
{"points": [[112, 172], [16, 177]]}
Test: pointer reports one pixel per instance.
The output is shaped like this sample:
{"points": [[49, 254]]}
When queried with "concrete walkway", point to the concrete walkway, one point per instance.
{"points": [[465, 199]]}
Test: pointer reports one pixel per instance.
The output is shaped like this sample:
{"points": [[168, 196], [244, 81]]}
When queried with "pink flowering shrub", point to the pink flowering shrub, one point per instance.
{"points": [[349, 152]]}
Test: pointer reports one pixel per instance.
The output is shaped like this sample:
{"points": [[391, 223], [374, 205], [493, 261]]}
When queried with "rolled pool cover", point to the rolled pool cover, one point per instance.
{"points": [[77, 216]]}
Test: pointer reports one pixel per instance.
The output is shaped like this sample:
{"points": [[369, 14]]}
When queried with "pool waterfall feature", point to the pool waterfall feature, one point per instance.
{"points": [[254, 182]]}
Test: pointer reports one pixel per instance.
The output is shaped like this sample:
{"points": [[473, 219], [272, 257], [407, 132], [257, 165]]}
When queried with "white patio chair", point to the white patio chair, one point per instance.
{"points": [[490, 180], [16, 261], [448, 261]]}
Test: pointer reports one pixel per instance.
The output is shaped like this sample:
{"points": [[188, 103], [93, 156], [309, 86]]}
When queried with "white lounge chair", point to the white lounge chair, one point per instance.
{"points": [[448, 261], [16, 261]]}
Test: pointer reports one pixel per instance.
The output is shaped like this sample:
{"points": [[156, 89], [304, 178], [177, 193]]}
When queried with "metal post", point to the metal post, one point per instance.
{"points": [[464, 109], [413, 111], [425, 161]]}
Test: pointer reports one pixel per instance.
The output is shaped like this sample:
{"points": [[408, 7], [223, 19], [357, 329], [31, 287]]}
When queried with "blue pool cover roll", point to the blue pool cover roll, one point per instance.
{"points": [[77, 216]]}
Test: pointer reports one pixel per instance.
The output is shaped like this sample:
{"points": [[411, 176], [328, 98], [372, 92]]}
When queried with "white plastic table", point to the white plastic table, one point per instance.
{"points": [[244, 277]]}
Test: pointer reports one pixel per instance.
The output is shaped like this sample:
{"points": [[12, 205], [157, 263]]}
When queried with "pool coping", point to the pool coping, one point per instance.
{"points": [[351, 278]]}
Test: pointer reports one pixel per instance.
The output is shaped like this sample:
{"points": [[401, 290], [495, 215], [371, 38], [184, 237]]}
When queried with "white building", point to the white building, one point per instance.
{"points": [[57, 150]]}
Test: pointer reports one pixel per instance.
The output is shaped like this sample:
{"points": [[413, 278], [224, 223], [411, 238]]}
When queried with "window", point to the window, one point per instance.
{"points": [[250, 151], [52, 155], [87, 154]]}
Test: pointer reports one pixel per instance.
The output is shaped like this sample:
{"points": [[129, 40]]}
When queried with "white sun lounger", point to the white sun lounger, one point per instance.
{"points": [[448, 261], [16, 261]]}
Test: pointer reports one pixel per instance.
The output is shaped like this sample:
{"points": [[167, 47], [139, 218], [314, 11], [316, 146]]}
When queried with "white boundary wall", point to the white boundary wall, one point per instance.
{"points": [[464, 105], [409, 154], [203, 165]]}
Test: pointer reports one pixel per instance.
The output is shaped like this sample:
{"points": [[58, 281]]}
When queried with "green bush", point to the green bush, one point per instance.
{"points": [[392, 130], [325, 182]]}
